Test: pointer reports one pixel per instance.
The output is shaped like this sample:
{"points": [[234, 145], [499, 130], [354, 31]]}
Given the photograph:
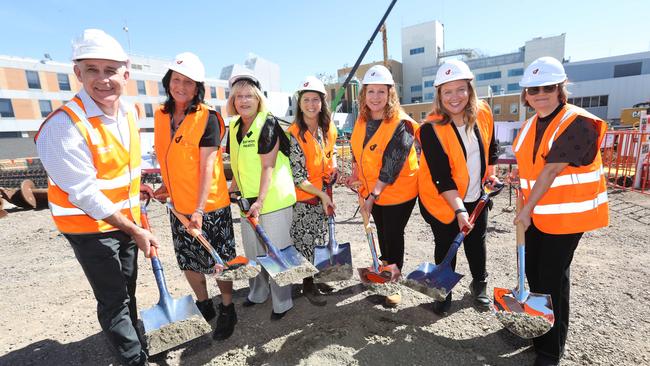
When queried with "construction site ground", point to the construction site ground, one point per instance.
{"points": [[49, 313]]}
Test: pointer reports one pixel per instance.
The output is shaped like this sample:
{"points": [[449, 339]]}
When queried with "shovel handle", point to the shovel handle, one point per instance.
{"points": [[196, 234], [521, 293], [144, 219], [370, 237], [156, 265]]}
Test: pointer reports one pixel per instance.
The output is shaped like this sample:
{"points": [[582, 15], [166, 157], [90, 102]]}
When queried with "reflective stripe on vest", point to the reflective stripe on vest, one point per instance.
{"points": [[433, 201], [246, 165], [576, 200], [180, 157], [117, 173], [369, 161], [318, 158]]}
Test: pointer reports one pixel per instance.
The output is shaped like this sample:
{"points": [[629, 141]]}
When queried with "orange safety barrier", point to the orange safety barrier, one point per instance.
{"points": [[626, 160]]}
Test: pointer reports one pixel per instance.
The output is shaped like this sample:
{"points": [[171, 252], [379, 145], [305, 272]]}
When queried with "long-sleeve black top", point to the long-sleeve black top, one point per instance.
{"points": [[397, 150]]}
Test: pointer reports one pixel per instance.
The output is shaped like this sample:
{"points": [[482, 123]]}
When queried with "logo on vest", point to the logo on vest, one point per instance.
{"points": [[178, 139], [329, 154], [373, 147]]}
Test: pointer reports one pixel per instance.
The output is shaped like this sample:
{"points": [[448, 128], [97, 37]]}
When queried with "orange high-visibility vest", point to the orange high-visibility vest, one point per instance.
{"points": [[576, 201], [319, 160], [369, 161], [179, 159], [428, 194], [118, 173]]}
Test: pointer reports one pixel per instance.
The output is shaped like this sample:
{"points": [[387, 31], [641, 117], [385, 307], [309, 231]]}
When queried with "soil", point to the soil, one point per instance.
{"points": [[338, 272], [523, 324], [177, 333], [49, 313], [295, 274], [239, 273], [438, 294]]}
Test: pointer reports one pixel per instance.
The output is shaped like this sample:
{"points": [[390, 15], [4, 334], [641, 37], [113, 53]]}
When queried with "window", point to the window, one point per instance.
{"points": [[33, 81], [148, 110], [64, 82], [603, 100], [514, 108], [416, 88], [415, 51], [290, 101], [416, 100], [496, 109], [627, 69], [6, 110], [136, 66], [227, 93], [495, 88], [161, 89], [46, 107], [213, 92], [513, 87], [142, 88], [423, 115], [411, 115], [488, 75], [595, 101], [428, 96], [515, 72], [428, 84]]}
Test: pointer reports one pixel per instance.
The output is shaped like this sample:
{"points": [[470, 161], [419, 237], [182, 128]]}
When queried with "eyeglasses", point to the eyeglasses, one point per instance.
{"points": [[245, 97], [534, 90]]}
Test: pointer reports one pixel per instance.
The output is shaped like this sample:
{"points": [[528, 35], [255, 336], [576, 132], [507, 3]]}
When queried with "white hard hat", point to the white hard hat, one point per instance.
{"points": [[312, 83], [244, 74], [96, 44], [452, 70], [543, 71], [188, 64], [378, 74]]}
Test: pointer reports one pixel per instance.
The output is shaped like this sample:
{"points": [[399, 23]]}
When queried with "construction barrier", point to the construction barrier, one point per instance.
{"points": [[626, 160]]}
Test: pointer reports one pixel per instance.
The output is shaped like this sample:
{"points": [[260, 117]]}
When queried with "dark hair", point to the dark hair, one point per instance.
{"points": [[324, 117], [169, 105]]}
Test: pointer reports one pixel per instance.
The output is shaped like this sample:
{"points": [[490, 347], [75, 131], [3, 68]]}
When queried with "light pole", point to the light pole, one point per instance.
{"points": [[128, 37]]}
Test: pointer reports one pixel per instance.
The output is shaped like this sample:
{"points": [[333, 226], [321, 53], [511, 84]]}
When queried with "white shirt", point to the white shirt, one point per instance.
{"points": [[470, 141], [68, 161]]}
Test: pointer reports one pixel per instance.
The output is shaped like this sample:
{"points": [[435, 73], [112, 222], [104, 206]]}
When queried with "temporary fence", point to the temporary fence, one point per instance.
{"points": [[626, 160]]}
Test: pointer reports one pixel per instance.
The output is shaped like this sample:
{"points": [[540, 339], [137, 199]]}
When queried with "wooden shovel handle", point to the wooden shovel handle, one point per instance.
{"points": [[521, 232], [364, 215]]}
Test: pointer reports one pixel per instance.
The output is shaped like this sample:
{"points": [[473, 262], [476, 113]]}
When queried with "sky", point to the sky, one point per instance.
{"points": [[312, 37]]}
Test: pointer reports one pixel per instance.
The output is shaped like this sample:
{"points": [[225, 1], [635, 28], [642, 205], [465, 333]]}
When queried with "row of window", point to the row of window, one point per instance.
{"points": [[497, 74], [590, 102], [45, 106], [510, 88], [514, 109]]}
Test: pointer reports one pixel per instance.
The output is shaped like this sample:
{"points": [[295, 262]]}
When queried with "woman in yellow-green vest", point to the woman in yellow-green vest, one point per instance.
{"points": [[259, 157]]}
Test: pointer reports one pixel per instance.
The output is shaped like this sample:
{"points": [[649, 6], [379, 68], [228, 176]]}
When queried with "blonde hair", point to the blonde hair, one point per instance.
{"points": [[237, 88], [391, 109], [562, 97], [469, 114]]}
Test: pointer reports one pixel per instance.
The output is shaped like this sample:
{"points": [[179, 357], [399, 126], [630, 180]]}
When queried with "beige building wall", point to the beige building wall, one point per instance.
{"points": [[16, 79], [26, 108], [49, 81]]}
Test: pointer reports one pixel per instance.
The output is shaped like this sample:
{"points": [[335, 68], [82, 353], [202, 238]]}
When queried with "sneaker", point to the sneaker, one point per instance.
{"points": [[441, 308], [393, 300], [206, 307], [225, 322], [478, 290]]}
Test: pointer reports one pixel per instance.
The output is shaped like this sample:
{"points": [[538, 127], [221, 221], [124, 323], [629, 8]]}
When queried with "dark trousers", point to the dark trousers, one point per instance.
{"points": [[474, 243], [390, 222], [109, 261], [548, 261]]}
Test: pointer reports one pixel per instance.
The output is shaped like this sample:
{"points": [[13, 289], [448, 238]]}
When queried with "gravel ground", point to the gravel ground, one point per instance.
{"points": [[48, 310]]}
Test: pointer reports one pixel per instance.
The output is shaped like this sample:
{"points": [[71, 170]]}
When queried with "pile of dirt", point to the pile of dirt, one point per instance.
{"points": [[50, 312]]}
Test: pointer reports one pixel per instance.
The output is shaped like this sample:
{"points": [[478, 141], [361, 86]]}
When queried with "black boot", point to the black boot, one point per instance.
{"points": [[311, 292], [207, 309], [225, 322], [478, 289], [441, 308]]}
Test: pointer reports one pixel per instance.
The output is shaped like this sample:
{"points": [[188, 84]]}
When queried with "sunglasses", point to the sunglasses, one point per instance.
{"points": [[534, 90]]}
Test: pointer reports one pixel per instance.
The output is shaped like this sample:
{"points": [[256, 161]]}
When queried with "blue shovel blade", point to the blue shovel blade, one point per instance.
{"points": [[167, 312], [333, 265], [288, 258], [433, 280]]}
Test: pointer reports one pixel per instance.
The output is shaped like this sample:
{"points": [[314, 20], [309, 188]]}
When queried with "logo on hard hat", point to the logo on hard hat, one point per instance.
{"points": [[305, 84], [179, 62], [372, 74], [535, 71], [448, 72]]}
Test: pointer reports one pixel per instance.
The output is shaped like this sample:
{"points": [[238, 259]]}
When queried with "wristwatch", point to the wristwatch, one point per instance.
{"points": [[375, 196], [200, 211], [462, 209]]}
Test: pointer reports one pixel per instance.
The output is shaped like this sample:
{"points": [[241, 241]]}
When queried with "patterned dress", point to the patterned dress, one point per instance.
{"points": [[309, 225], [217, 228]]}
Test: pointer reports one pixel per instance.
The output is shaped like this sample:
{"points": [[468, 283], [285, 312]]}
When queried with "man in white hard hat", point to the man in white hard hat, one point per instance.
{"points": [[90, 148]]}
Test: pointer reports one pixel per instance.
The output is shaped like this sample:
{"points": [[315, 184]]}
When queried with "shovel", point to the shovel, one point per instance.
{"points": [[240, 268], [334, 260], [377, 274], [437, 281], [165, 318], [285, 266], [525, 314]]}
